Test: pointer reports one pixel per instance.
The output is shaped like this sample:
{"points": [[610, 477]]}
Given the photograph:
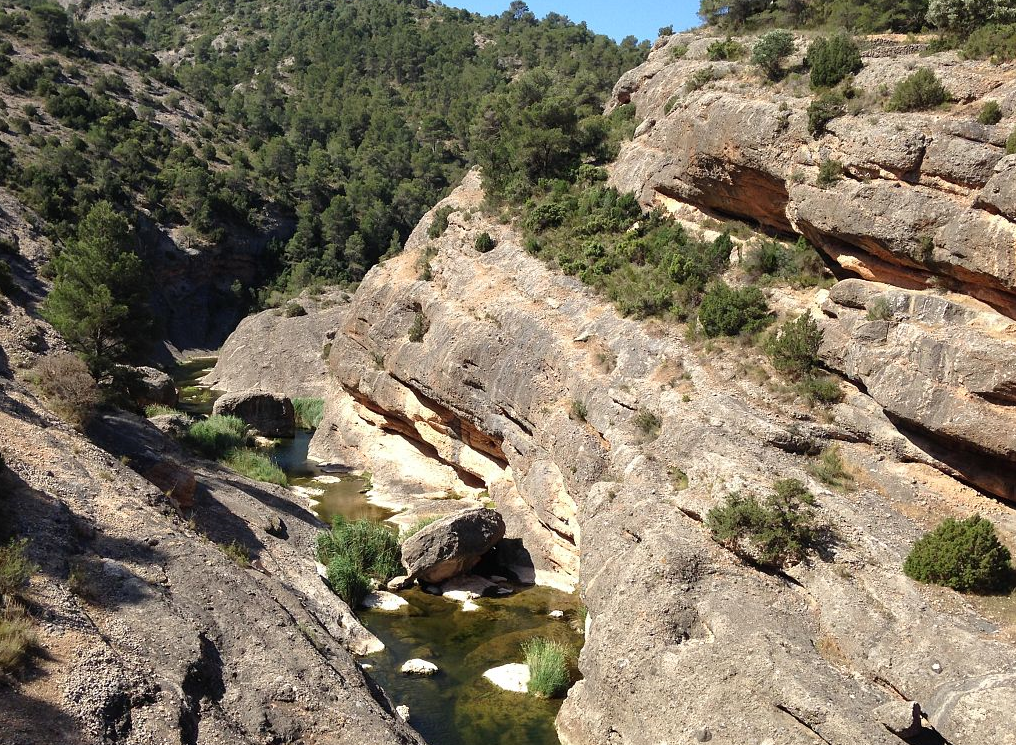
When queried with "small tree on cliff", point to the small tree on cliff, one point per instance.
{"points": [[98, 297]]}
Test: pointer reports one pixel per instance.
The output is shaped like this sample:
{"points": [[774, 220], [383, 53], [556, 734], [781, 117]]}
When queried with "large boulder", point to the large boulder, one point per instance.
{"points": [[452, 545], [271, 414], [151, 387]]}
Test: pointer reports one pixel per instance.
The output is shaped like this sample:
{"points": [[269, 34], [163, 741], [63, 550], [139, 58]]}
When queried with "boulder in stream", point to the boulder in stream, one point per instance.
{"points": [[513, 677], [452, 545], [418, 667], [150, 387], [271, 414]]}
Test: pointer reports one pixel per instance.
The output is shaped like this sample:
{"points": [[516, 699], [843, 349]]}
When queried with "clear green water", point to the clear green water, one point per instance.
{"points": [[457, 706]]}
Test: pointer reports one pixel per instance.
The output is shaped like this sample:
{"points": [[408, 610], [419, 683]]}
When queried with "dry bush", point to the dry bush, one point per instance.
{"points": [[64, 381]]}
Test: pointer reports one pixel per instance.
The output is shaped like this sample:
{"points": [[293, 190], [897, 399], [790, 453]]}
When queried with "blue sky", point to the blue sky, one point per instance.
{"points": [[616, 18]]}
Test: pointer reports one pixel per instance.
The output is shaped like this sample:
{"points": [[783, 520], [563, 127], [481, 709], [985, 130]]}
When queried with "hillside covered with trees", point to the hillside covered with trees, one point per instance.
{"points": [[353, 118]]}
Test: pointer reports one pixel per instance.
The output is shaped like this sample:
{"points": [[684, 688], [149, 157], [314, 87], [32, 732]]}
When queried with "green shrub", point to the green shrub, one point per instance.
{"points": [[831, 59], [965, 555], [671, 103], [728, 312], [996, 41], [17, 637], [294, 310], [440, 222], [774, 533], [309, 411], [15, 568], [677, 51], [823, 110], [548, 667], [820, 389], [990, 113], [368, 547], [793, 349], [578, 410], [419, 328], [215, 436], [484, 243], [237, 552], [829, 172], [154, 410], [922, 90], [254, 465], [829, 468], [6, 278], [1010, 144], [700, 79], [648, 424], [770, 51], [725, 50], [347, 581]]}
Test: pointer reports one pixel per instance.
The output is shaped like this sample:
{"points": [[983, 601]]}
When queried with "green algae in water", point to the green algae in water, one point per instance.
{"points": [[194, 397], [458, 706]]}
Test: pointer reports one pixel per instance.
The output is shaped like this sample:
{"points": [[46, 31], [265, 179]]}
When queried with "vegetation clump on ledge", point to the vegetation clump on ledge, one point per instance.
{"points": [[964, 555], [775, 532]]}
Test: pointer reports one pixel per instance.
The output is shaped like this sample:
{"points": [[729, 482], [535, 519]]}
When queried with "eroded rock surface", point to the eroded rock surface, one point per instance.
{"points": [[942, 366], [925, 198], [807, 655], [274, 352], [150, 633]]}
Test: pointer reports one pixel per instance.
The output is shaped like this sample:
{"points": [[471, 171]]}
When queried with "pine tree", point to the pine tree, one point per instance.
{"points": [[98, 296]]}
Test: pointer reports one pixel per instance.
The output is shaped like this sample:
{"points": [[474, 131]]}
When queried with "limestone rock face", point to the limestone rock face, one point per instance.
{"points": [[452, 545], [174, 638], [271, 414], [925, 195], [944, 366], [271, 351], [482, 402]]}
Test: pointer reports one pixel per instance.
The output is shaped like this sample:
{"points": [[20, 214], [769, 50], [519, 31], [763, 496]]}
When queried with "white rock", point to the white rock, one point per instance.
{"points": [[328, 479], [470, 606], [513, 677], [466, 587], [381, 600], [403, 712], [556, 614], [418, 667], [366, 666]]}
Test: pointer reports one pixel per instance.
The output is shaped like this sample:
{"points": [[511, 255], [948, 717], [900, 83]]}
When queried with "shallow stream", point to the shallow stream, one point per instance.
{"points": [[457, 706]]}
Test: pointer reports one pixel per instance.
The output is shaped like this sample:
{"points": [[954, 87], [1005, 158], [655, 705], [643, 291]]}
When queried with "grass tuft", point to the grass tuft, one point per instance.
{"points": [[154, 410], [217, 435], [255, 465], [548, 667], [309, 412]]}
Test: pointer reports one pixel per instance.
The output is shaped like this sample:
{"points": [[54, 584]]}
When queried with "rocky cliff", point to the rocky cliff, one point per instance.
{"points": [[926, 197], [459, 378], [482, 397]]}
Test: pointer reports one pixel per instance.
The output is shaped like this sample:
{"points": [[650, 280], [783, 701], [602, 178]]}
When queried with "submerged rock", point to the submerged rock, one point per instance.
{"points": [[418, 667], [271, 414], [513, 677], [452, 545], [381, 600]]}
